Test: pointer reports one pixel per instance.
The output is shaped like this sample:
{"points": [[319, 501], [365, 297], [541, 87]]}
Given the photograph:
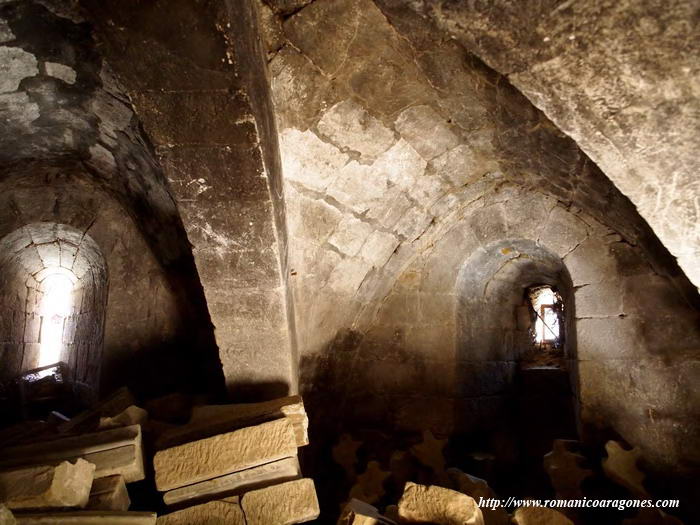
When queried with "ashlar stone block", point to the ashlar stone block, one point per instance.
{"points": [[283, 504], [116, 451], [350, 126], [231, 484], [223, 454], [432, 504], [222, 512], [540, 516], [208, 420], [65, 485], [109, 493]]}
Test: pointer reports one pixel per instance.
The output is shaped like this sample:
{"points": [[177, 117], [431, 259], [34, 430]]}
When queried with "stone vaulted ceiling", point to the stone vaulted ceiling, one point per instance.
{"points": [[622, 78]]}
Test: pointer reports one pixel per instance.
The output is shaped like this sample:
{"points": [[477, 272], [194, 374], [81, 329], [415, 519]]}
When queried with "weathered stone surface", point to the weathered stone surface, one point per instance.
{"points": [[500, 139], [350, 235], [358, 512], [6, 517], [132, 415], [116, 451], [478, 488], [109, 493], [209, 420], [61, 71], [345, 454], [223, 454], [595, 58], [420, 503], [309, 160], [70, 103], [599, 300], [286, 7], [379, 247], [540, 516], [458, 165], [590, 262], [6, 33], [88, 517], [214, 512], [65, 485], [283, 504], [564, 469], [563, 232], [215, 79], [430, 452], [621, 467], [349, 126], [15, 64], [369, 486], [426, 131], [231, 484]]}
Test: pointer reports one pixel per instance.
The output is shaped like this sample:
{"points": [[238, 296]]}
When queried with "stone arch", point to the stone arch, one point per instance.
{"points": [[491, 284], [29, 257], [501, 393]]}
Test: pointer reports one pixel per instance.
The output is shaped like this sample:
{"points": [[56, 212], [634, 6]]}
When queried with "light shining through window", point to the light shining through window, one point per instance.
{"points": [[545, 302], [56, 305]]}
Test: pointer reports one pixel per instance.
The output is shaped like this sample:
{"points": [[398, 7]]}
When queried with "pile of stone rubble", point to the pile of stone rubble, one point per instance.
{"points": [[458, 498], [442, 506], [229, 464]]}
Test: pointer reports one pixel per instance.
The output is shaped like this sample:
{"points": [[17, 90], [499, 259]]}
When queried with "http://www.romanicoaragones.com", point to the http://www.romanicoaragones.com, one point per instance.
{"points": [[582, 503]]}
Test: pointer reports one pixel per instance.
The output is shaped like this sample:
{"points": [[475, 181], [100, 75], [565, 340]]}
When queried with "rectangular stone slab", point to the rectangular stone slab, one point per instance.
{"points": [[223, 454], [111, 406], [210, 420], [65, 485], [116, 451], [283, 504], [109, 493], [87, 517], [222, 511], [231, 484]]}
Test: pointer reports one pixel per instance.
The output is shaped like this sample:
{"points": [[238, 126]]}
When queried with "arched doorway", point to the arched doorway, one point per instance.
{"points": [[53, 294], [524, 360]]}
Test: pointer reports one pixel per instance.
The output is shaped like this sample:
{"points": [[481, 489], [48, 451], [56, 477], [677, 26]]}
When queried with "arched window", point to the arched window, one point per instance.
{"points": [[53, 294]]}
